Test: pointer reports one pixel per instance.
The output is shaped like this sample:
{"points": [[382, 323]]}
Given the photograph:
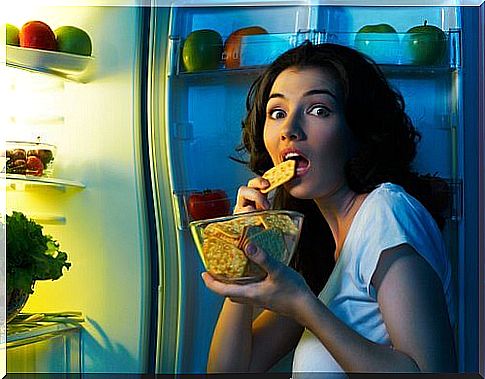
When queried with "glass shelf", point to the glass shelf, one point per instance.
{"points": [[23, 183], [49, 343], [33, 325], [69, 66]]}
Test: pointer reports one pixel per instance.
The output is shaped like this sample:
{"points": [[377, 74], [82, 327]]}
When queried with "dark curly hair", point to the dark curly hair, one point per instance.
{"points": [[386, 145]]}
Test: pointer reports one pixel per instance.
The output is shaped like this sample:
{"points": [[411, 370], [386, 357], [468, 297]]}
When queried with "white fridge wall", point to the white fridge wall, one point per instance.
{"points": [[98, 146]]}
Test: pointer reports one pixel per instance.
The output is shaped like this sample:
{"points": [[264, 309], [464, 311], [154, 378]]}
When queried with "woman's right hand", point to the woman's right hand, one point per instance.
{"points": [[250, 198]]}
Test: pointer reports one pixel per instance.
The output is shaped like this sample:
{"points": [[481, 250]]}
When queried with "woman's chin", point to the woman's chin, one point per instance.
{"points": [[296, 189]]}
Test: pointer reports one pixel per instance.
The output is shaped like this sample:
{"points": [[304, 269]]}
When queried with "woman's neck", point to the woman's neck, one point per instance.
{"points": [[339, 209]]}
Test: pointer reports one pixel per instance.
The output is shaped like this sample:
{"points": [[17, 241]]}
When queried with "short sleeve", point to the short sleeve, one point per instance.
{"points": [[392, 218]]}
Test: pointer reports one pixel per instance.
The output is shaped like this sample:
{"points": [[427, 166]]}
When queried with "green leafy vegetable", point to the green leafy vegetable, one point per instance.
{"points": [[31, 255]]}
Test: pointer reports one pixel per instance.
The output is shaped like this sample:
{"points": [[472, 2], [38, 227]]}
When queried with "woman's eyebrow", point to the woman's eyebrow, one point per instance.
{"points": [[308, 93], [320, 92], [276, 95]]}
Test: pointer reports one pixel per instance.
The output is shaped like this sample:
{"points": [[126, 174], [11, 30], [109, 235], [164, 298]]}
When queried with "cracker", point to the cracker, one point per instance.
{"points": [[281, 222], [249, 230], [271, 241], [223, 258], [232, 228], [279, 174]]}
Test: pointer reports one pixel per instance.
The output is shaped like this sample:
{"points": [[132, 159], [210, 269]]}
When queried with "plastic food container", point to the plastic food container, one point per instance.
{"points": [[221, 242], [29, 158]]}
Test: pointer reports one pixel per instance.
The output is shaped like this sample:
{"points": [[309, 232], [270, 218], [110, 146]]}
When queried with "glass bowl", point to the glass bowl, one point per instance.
{"points": [[221, 242], [29, 158]]}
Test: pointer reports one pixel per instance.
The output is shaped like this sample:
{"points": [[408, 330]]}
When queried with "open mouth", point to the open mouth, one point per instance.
{"points": [[302, 163]]}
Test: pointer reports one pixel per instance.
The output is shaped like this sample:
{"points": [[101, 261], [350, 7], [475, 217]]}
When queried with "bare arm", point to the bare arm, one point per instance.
{"points": [[412, 303], [238, 343], [241, 345]]}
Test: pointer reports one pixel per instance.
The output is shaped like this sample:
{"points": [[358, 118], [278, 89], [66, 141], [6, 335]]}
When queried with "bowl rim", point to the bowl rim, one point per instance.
{"points": [[198, 223]]}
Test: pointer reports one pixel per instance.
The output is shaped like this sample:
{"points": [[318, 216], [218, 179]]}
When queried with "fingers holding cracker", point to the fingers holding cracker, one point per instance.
{"points": [[250, 199], [279, 174]]}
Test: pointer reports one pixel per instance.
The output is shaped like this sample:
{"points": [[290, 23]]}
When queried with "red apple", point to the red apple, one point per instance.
{"points": [[232, 47], [37, 35]]}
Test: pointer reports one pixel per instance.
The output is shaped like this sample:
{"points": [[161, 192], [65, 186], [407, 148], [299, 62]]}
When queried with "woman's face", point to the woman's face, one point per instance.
{"points": [[305, 121]]}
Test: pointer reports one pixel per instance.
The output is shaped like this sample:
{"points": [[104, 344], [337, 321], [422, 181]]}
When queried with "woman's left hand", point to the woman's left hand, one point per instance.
{"points": [[281, 291]]}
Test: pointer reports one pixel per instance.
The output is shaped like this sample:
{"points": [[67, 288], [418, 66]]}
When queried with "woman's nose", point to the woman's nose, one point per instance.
{"points": [[291, 130]]}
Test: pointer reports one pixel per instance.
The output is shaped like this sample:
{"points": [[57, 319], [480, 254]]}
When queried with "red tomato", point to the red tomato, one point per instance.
{"points": [[208, 204]]}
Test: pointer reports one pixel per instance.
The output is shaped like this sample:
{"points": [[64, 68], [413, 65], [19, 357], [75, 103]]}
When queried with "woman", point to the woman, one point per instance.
{"points": [[387, 303]]}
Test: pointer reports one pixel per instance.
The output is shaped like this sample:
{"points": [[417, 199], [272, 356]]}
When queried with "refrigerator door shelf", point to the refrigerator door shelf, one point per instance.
{"points": [[69, 66], [262, 49], [208, 203], [390, 50], [401, 49], [254, 51]]}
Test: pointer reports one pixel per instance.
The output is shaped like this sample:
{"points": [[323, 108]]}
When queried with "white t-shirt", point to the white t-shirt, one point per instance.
{"points": [[388, 217]]}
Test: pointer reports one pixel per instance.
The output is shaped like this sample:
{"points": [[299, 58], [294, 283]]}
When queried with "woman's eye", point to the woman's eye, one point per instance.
{"points": [[276, 114], [319, 110]]}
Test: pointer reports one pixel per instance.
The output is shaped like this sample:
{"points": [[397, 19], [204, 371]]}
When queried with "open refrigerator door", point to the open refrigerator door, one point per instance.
{"points": [[83, 113]]}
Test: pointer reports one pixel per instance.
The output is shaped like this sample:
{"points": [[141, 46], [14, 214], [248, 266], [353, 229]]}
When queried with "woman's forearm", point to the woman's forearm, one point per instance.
{"points": [[353, 352], [230, 349]]}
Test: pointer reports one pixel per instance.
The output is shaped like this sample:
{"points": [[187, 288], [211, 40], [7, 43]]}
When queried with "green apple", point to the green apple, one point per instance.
{"points": [[202, 50], [379, 41], [425, 44], [73, 40], [12, 36]]}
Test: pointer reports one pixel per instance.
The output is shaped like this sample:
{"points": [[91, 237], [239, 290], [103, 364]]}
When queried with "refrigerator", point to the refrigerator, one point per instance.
{"points": [[137, 133]]}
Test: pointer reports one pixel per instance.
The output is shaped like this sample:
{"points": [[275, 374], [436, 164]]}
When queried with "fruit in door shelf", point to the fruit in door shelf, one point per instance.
{"points": [[44, 155], [232, 46], [71, 39], [379, 41], [425, 44], [12, 35], [29, 158], [202, 50], [34, 166], [208, 204], [37, 35]]}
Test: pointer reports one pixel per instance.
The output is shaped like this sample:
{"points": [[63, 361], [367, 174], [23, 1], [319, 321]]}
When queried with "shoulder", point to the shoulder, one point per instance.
{"points": [[390, 218], [389, 208], [392, 198]]}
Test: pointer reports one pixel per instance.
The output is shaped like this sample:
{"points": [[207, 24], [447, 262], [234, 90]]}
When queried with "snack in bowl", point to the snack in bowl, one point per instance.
{"points": [[221, 242]]}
